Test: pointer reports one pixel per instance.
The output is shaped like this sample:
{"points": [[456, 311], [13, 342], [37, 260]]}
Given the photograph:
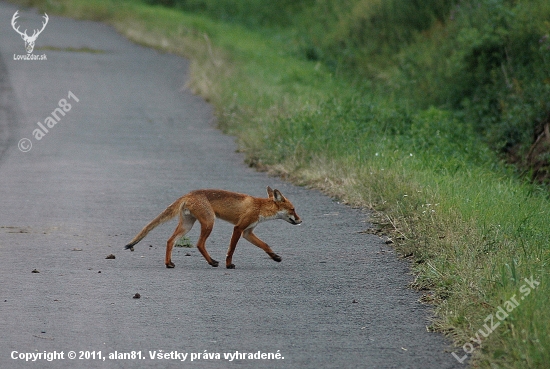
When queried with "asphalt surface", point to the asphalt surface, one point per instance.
{"points": [[132, 141]]}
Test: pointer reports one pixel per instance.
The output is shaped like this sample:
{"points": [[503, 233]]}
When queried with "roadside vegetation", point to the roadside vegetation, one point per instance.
{"points": [[434, 114]]}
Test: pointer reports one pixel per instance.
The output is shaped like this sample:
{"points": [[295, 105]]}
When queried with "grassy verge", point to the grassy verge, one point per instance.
{"points": [[472, 231]]}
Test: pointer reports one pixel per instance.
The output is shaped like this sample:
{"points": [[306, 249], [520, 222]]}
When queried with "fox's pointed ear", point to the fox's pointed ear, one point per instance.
{"points": [[269, 192], [278, 196]]}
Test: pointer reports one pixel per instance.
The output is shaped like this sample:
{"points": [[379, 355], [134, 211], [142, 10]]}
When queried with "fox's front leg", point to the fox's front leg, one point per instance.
{"points": [[237, 232], [253, 239]]}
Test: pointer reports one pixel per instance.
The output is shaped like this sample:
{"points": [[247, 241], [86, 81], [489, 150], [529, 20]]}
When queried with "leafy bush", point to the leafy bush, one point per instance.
{"points": [[493, 67], [489, 60], [252, 13], [349, 33]]}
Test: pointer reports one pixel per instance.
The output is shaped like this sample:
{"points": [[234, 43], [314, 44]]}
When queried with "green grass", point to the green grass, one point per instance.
{"points": [[471, 229], [184, 242]]}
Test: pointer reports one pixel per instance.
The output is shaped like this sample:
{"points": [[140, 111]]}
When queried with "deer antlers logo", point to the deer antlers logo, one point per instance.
{"points": [[29, 40]]}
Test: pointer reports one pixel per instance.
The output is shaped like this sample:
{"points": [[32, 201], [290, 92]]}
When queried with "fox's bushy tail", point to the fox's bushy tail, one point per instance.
{"points": [[170, 212]]}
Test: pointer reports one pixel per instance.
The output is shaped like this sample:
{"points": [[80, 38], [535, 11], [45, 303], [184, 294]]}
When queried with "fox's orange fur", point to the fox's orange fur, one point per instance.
{"points": [[243, 211]]}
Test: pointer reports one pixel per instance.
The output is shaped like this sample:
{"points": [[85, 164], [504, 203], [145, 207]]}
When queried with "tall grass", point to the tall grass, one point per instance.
{"points": [[472, 230]]}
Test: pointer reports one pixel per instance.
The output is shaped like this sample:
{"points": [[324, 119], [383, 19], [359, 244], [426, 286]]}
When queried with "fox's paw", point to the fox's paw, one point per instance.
{"points": [[170, 265], [230, 266], [276, 257], [214, 263]]}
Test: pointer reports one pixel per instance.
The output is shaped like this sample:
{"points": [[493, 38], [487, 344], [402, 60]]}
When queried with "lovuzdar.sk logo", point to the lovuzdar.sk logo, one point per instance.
{"points": [[29, 40]]}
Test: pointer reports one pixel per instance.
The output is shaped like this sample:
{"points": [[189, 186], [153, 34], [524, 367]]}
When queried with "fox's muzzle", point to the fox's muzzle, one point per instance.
{"points": [[295, 221]]}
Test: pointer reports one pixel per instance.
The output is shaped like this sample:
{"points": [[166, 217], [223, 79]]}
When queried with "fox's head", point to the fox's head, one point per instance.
{"points": [[285, 209]]}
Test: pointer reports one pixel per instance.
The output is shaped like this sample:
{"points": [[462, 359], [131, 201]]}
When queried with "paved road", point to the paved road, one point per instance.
{"points": [[132, 140]]}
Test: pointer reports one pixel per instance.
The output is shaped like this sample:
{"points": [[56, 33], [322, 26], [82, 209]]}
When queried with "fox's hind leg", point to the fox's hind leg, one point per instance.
{"points": [[206, 217], [185, 224], [206, 229]]}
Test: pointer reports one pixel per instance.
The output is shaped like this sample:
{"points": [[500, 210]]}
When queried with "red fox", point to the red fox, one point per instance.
{"points": [[243, 211]]}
